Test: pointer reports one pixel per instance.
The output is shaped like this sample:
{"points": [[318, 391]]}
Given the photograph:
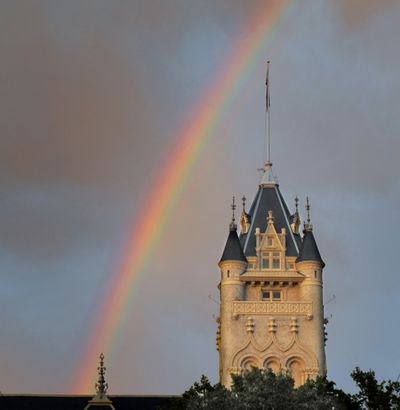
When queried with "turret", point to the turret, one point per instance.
{"points": [[310, 264], [233, 263]]}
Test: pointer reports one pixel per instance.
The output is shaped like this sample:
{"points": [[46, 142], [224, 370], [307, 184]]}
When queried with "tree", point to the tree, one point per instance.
{"points": [[260, 389], [202, 395], [373, 395], [263, 389]]}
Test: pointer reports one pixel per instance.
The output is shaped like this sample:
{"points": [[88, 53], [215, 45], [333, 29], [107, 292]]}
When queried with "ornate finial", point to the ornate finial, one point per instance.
{"points": [[232, 225], [244, 218], [101, 385], [308, 226], [295, 217], [308, 211], [270, 217]]}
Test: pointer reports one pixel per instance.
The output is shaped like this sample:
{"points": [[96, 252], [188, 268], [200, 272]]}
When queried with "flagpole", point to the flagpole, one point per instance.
{"points": [[269, 133], [267, 144], [265, 155]]}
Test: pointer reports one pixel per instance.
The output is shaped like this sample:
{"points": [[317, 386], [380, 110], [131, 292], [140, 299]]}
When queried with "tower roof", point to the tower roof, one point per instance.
{"points": [[309, 249], [233, 250], [269, 198]]}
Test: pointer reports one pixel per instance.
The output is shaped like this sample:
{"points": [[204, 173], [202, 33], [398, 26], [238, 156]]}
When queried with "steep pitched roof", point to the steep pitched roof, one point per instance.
{"points": [[233, 250], [309, 249], [269, 198]]}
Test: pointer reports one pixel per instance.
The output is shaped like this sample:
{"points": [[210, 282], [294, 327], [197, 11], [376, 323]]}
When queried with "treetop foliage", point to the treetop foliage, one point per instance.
{"points": [[261, 389]]}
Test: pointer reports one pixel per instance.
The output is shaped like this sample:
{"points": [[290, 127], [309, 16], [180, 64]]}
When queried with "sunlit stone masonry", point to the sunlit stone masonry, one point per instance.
{"points": [[271, 310]]}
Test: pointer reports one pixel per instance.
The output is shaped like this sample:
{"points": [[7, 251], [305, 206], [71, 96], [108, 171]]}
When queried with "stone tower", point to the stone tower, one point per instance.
{"points": [[271, 311]]}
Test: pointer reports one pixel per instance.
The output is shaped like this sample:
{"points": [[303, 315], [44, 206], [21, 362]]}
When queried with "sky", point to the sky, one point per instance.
{"points": [[94, 95]]}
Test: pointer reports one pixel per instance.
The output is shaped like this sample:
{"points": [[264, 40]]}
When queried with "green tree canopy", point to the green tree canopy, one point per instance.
{"points": [[261, 389]]}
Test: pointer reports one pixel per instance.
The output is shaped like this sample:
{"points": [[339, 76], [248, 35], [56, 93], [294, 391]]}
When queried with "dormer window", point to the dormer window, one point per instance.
{"points": [[265, 260], [270, 241], [270, 260], [276, 261]]}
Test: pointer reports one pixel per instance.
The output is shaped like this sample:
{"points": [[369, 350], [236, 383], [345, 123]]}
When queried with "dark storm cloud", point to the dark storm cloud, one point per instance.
{"points": [[71, 120], [76, 128], [69, 115]]}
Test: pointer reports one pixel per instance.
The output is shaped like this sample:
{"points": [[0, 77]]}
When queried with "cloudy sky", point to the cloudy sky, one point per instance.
{"points": [[93, 95]]}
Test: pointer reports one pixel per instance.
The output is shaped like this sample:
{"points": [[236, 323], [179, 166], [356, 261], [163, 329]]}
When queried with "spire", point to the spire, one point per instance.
{"points": [[267, 177], [100, 400], [308, 226], [233, 225], [101, 385], [244, 203], [233, 250], [309, 250], [267, 158]]}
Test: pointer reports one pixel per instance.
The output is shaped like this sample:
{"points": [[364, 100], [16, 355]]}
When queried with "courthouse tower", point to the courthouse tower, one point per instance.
{"points": [[271, 311]]}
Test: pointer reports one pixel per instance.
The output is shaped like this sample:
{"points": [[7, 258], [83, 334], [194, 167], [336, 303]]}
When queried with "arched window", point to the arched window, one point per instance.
{"points": [[248, 363], [273, 363], [296, 369]]}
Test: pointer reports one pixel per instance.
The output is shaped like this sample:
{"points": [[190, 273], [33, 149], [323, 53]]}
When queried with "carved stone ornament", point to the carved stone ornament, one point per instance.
{"points": [[275, 308]]}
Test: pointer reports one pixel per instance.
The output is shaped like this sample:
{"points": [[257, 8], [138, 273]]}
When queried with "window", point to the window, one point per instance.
{"points": [[266, 295], [276, 261], [274, 295], [270, 241], [270, 260], [265, 260], [251, 266], [265, 263]]}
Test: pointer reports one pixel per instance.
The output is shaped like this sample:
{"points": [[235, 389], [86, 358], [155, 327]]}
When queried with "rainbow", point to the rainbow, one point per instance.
{"points": [[151, 222]]}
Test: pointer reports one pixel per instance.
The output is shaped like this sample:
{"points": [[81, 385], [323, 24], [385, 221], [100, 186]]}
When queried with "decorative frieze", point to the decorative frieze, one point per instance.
{"points": [[272, 308]]}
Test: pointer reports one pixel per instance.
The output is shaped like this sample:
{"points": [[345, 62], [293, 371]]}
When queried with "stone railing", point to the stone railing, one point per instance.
{"points": [[272, 308]]}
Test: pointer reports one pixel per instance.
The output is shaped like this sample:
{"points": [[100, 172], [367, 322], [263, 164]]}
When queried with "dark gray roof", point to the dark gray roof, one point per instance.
{"points": [[233, 250], [27, 402], [309, 249], [269, 198]]}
